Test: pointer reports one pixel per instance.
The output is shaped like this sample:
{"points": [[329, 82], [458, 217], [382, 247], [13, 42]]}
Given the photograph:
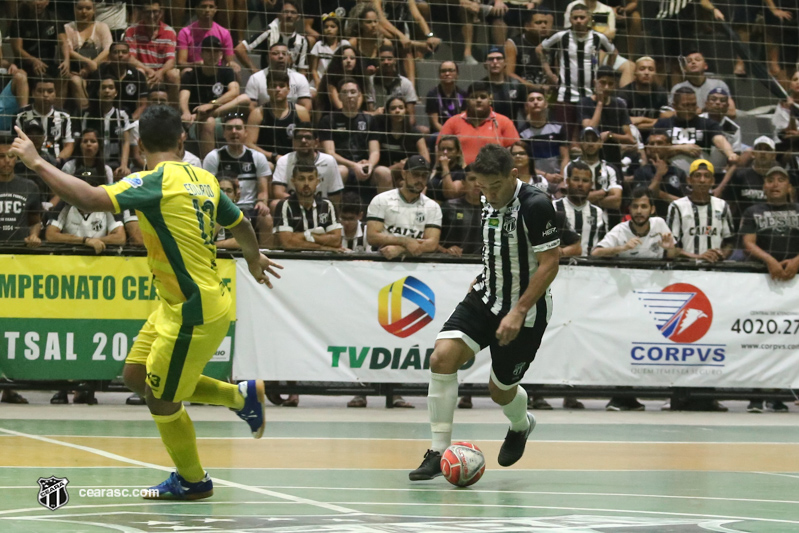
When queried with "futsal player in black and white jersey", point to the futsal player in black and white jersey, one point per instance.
{"points": [[701, 223], [507, 307], [587, 219]]}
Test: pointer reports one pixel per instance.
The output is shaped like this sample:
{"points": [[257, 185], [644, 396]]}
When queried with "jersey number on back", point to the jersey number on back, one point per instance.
{"points": [[206, 209]]}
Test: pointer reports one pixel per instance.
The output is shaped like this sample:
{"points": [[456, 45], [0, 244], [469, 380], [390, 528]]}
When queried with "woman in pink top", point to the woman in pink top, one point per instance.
{"points": [[191, 36]]}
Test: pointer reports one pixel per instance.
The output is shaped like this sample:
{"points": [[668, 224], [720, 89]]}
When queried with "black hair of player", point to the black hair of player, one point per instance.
{"points": [[493, 159], [160, 128]]}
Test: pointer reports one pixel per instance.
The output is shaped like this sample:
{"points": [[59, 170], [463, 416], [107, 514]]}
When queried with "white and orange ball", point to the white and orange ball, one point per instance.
{"points": [[463, 464]]}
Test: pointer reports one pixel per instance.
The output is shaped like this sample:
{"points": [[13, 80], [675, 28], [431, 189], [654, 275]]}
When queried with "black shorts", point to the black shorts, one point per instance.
{"points": [[475, 324]]}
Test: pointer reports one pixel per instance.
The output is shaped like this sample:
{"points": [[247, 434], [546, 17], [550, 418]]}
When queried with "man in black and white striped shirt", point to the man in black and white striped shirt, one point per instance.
{"points": [[587, 219], [507, 308]]}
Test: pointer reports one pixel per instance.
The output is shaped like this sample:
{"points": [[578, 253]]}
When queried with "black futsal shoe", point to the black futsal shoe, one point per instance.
{"points": [[430, 467], [515, 441]]}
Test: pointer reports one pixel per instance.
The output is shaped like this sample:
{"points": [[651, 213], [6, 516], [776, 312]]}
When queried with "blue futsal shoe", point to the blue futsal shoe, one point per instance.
{"points": [[254, 410], [177, 488]]}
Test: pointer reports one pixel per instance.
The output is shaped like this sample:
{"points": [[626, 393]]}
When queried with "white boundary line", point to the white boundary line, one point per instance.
{"points": [[115, 457]]}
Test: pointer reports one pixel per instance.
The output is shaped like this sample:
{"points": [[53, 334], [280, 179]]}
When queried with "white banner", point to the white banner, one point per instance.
{"points": [[377, 322]]}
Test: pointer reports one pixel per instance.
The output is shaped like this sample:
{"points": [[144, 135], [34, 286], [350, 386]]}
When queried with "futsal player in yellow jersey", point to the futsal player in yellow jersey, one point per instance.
{"points": [[178, 207]]}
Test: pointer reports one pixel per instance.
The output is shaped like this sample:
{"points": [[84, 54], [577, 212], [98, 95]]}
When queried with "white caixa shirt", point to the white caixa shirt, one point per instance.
{"points": [[650, 243], [404, 218]]}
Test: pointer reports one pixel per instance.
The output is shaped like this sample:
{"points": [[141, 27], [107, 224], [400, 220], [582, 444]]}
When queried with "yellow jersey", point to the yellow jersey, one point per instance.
{"points": [[178, 206]]}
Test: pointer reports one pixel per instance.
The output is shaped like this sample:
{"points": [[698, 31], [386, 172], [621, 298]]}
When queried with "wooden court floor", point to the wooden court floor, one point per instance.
{"points": [[324, 468]]}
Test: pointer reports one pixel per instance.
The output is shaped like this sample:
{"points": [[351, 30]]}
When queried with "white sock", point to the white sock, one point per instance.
{"points": [[516, 411], [441, 398]]}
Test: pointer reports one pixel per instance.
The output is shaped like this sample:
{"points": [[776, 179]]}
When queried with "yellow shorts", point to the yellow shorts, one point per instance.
{"points": [[175, 354]]}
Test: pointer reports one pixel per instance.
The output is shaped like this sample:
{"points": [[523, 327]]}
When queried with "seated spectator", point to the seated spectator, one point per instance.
{"points": [[132, 85], [406, 22], [785, 115], [284, 30], [607, 187], [152, 48], [691, 135], [306, 152], [328, 43], [646, 100], [109, 123], [702, 224], [89, 160], [269, 127], [446, 99], [21, 217], [446, 183], [208, 91], [507, 94], [547, 140], [716, 107], [348, 135], [521, 61], [353, 226], [588, 220], [666, 181], [403, 221], [701, 85], [224, 239], [389, 83], [345, 64], [14, 93], [305, 220], [399, 139], [57, 124], [525, 166], [607, 114], [462, 229], [770, 229], [85, 45], [479, 124], [365, 36], [191, 38], [299, 90], [96, 230], [35, 132], [250, 169], [33, 37]]}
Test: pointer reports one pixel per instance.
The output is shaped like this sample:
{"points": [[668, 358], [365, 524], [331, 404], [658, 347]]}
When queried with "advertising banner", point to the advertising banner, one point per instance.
{"points": [[76, 317], [377, 322]]}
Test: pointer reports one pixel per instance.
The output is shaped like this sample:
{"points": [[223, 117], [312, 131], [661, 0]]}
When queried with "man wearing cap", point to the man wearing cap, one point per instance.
{"points": [[208, 91], [716, 108], [607, 114], [770, 229], [508, 93], [702, 224], [479, 125], [695, 67], [403, 221]]}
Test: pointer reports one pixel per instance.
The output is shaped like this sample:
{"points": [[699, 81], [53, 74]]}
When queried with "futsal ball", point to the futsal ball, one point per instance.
{"points": [[463, 464]]}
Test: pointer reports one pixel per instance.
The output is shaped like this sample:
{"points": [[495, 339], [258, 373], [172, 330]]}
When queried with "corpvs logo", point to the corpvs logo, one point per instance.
{"points": [[683, 315]]}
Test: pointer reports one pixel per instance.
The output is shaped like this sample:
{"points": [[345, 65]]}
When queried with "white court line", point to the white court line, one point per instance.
{"points": [[123, 459], [777, 474], [140, 504]]}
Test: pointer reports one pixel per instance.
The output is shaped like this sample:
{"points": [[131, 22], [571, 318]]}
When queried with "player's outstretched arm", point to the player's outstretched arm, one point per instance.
{"points": [[258, 263], [72, 190]]}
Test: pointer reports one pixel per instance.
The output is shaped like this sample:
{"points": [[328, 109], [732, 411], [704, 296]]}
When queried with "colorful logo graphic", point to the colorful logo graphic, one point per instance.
{"points": [[389, 306], [681, 311]]}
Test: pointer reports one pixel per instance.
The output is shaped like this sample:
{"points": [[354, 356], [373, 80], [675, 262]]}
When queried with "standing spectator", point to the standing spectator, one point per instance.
{"points": [[716, 108], [666, 181], [20, 219], [131, 84], [34, 39], [345, 64], [691, 135], [446, 99], [306, 151], [57, 124], [462, 229], [208, 91], [695, 79], [479, 124], [388, 83], [607, 187], [191, 38], [348, 135], [508, 94], [109, 123], [701, 223], [152, 48], [321, 54], [547, 140], [398, 138], [89, 161], [646, 100], [446, 182], [353, 228], [588, 220], [304, 220], [521, 60], [281, 30], [404, 221], [299, 89], [607, 114]]}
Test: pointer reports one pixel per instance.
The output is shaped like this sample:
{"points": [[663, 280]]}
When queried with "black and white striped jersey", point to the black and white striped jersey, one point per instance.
{"points": [[698, 228], [578, 61], [670, 9], [291, 216], [57, 125], [247, 167], [604, 174], [512, 236], [587, 220]]}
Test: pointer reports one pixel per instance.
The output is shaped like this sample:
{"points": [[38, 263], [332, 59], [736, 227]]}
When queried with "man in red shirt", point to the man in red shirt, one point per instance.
{"points": [[152, 48], [479, 125]]}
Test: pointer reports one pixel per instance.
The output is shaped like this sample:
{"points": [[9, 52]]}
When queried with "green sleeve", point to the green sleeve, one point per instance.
{"points": [[227, 213], [137, 191]]}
